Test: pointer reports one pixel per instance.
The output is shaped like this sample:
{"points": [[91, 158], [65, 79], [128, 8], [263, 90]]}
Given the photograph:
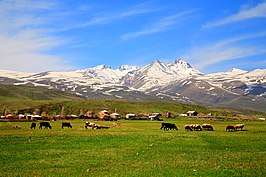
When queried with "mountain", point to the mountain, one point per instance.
{"points": [[177, 81], [158, 74]]}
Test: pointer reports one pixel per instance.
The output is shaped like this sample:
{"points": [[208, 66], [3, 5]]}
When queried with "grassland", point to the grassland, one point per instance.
{"points": [[132, 148], [13, 92]]}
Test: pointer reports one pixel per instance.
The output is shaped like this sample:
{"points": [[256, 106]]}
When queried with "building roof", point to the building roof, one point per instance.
{"points": [[191, 112]]}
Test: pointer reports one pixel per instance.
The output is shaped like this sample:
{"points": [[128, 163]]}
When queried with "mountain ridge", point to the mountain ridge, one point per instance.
{"points": [[177, 81]]}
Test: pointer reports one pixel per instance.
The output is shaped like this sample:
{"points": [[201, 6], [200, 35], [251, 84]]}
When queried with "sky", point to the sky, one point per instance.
{"points": [[213, 36]]}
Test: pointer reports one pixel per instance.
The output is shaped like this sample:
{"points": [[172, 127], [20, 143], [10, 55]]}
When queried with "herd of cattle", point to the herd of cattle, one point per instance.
{"points": [[197, 127], [165, 126], [66, 124]]}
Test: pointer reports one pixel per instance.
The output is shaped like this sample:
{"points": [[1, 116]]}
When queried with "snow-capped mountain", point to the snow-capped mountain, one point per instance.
{"points": [[177, 81], [158, 74]]}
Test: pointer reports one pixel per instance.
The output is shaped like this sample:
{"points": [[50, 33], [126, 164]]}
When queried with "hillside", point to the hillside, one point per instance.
{"points": [[8, 92]]}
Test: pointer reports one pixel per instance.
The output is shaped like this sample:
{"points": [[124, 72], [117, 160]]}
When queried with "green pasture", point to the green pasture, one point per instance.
{"points": [[132, 148]]}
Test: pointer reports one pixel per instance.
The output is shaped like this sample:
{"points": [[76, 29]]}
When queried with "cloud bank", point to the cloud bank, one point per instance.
{"points": [[224, 50], [25, 38], [161, 25], [256, 12]]}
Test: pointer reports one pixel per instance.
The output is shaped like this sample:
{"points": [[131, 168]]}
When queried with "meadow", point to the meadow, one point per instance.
{"points": [[132, 148]]}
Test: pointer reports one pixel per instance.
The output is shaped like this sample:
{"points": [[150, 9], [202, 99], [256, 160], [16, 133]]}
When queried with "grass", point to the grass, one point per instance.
{"points": [[132, 148], [13, 92]]}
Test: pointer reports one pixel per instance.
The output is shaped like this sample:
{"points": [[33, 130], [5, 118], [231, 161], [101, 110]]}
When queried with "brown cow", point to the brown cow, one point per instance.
{"points": [[230, 127], [188, 127], [207, 127], [237, 126], [196, 127]]}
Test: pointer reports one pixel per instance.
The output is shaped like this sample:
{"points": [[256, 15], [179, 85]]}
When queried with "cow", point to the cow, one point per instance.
{"points": [[45, 125], [168, 126], [90, 124], [207, 127], [230, 127], [66, 124], [33, 125], [196, 127], [188, 127], [237, 126]]}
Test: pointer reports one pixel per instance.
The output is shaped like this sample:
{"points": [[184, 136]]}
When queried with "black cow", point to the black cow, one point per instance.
{"points": [[66, 124], [45, 125], [168, 126], [33, 125]]}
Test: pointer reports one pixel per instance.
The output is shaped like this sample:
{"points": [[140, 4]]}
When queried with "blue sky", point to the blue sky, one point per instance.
{"points": [[212, 36]]}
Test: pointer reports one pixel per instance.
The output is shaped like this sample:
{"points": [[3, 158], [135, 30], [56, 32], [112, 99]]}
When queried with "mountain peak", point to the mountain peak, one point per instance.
{"points": [[155, 61], [236, 71], [158, 65], [102, 67], [127, 68], [182, 63]]}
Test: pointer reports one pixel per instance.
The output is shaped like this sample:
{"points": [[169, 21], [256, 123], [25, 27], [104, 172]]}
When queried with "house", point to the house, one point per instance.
{"points": [[103, 114], [182, 115], [21, 116], [130, 116], [192, 113], [154, 116], [71, 116], [115, 115], [167, 114], [36, 117]]}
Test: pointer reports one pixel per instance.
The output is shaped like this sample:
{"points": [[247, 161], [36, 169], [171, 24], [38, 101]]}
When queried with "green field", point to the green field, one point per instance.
{"points": [[132, 148]]}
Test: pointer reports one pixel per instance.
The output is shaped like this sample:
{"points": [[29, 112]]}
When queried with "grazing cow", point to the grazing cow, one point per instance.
{"points": [[230, 128], [45, 125], [188, 127], [196, 127], [66, 124], [237, 126], [207, 127], [168, 126], [33, 125], [90, 124]]}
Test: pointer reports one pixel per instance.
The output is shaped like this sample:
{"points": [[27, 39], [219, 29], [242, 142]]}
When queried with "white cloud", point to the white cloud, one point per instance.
{"points": [[163, 24], [106, 18], [25, 39], [256, 12], [209, 56], [225, 50]]}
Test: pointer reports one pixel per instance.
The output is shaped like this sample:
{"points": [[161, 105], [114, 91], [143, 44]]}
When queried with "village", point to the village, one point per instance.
{"points": [[106, 115], [103, 115]]}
